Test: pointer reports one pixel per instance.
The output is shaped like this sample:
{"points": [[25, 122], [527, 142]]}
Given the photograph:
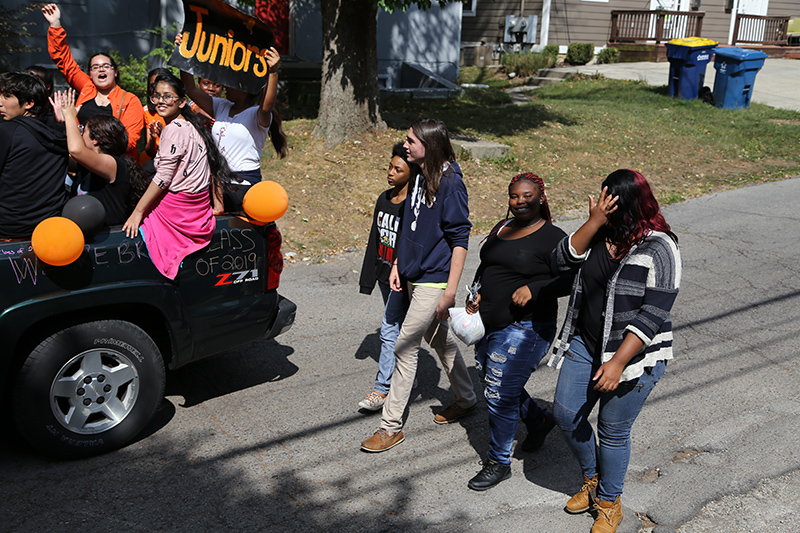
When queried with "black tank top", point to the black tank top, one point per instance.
{"points": [[90, 109]]}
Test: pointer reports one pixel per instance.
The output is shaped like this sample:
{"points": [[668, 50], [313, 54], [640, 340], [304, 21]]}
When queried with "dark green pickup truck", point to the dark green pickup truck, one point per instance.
{"points": [[85, 345]]}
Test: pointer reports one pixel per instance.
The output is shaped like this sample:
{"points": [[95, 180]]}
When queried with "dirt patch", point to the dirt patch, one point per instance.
{"points": [[572, 135]]}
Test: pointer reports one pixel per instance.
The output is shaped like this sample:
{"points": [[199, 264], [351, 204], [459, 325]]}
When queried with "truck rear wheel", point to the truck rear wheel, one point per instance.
{"points": [[88, 389]]}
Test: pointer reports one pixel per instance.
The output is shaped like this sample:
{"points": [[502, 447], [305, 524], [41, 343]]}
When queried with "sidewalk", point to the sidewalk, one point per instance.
{"points": [[777, 83]]}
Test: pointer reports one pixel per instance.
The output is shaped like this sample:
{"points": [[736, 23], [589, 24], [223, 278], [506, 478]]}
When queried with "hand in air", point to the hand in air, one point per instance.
{"points": [[273, 58], [52, 13], [155, 128], [605, 206]]}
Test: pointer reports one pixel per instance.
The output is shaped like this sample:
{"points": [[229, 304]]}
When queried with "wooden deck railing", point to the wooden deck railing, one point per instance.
{"points": [[658, 26], [755, 29]]}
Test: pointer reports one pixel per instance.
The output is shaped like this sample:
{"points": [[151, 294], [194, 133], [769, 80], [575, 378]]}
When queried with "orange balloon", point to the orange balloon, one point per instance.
{"points": [[57, 241], [266, 201]]}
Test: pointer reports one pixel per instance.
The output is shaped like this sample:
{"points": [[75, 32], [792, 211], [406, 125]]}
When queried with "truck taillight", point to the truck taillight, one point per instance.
{"points": [[274, 257]]}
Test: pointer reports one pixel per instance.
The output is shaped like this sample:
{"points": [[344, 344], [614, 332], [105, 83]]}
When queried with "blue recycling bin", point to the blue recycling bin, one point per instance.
{"points": [[688, 59], [736, 75]]}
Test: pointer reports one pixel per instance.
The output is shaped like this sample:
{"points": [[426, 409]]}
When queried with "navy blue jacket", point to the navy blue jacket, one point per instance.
{"points": [[430, 232]]}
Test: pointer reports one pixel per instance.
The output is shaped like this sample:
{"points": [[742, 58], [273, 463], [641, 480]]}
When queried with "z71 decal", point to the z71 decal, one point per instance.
{"points": [[232, 278]]}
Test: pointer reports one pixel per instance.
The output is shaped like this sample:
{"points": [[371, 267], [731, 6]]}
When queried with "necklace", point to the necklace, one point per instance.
{"points": [[529, 225]]}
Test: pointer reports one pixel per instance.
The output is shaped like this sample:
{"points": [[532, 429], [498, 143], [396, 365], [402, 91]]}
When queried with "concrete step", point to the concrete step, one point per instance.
{"points": [[478, 148], [540, 81], [559, 73]]}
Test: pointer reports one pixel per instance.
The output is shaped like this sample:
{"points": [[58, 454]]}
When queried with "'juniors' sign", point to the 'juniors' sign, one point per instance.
{"points": [[223, 44]]}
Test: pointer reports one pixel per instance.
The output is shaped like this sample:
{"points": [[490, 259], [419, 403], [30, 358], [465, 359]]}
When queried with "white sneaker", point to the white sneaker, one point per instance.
{"points": [[373, 401]]}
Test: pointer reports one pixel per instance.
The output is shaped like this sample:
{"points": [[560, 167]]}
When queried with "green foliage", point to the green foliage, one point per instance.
{"points": [[526, 63], [133, 71], [608, 55], [13, 31], [484, 75], [165, 50], [132, 74], [484, 97], [552, 51], [579, 53]]}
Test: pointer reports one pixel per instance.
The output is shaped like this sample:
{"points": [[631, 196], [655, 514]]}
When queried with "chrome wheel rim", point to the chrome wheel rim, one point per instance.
{"points": [[94, 391]]}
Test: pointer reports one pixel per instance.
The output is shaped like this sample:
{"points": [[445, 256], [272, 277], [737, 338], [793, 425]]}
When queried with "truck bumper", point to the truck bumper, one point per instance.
{"points": [[284, 319]]}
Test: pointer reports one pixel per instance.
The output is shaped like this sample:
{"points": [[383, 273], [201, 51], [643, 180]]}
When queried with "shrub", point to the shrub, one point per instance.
{"points": [[132, 74], [608, 55], [579, 53], [552, 51], [526, 63], [133, 71]]}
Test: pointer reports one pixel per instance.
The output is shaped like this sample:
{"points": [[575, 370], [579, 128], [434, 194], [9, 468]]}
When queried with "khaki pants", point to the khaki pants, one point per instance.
{"points": [[421, 322]]}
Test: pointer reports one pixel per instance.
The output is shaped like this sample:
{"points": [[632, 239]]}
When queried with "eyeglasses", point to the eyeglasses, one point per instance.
{"points": [[166, 98], [102, 66]]}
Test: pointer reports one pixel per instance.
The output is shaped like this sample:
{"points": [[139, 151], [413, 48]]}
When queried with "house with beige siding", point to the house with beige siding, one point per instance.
{"points": [[560, 22]]}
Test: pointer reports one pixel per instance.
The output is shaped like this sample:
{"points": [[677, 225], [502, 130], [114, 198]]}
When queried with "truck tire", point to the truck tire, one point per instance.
{"points": [[88, 389]]}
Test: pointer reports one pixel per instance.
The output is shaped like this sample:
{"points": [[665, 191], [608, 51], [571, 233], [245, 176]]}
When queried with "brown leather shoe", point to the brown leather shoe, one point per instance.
{"points": [[609, 515], [382, 441], [452, 413], [580, 502]]}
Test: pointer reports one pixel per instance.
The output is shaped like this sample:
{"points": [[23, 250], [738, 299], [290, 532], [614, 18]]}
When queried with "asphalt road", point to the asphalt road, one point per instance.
{"points": [[266, 437]]}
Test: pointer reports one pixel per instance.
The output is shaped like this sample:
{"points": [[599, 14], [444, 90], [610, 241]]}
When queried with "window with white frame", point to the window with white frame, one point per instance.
{"points": [[469, 8]]}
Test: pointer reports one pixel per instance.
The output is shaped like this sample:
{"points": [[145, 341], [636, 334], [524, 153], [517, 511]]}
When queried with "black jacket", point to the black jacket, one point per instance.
{"points": [[33, 165]]}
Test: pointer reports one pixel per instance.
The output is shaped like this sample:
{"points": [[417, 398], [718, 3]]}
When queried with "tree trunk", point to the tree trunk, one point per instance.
{"points": [[349, 100]]}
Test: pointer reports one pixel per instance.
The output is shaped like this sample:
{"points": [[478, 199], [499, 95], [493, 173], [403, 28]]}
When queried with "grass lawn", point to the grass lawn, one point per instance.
{"points": [[571, 134]]}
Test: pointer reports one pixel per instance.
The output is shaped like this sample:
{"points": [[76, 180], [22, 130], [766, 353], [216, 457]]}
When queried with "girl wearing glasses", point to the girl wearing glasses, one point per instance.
{"points": [[99, 91], [175, 212]]}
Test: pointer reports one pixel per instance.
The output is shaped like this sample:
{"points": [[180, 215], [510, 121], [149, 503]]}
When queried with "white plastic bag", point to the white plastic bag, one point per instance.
{"points": [[468, 328]]}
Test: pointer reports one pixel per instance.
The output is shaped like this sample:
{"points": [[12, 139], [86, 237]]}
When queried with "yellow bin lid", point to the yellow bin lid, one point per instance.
{"points": [[694, 42]]}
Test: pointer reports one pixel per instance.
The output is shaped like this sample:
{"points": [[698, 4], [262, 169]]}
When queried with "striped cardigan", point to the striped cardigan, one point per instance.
{"points": [[640, 295]]}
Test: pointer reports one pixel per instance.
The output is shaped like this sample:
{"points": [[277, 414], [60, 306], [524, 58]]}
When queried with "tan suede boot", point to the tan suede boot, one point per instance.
{"points": [[580, 502], [609, 515]]}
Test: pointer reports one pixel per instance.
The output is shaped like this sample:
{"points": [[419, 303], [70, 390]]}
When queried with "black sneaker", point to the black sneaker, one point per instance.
{"points": [[490, 475], [535, 438]]}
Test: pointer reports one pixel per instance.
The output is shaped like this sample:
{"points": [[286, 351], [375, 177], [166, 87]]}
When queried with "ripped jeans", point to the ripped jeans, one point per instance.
{"points": [[506, 358]]}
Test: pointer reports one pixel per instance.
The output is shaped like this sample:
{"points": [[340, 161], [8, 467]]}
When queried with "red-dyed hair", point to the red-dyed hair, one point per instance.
{"points": [[544, 210], [638, 213]]}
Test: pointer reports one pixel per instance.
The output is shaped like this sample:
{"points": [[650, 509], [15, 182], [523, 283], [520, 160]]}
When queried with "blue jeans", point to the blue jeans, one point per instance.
{"points": [[506, 358], [575, 399], [393, 314]]}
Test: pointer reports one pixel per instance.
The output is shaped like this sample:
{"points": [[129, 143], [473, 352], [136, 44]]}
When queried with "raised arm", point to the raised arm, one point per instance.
{"points": [[198, 96], [59, 49], [598, 217], [102, 165], [271, 94]]}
